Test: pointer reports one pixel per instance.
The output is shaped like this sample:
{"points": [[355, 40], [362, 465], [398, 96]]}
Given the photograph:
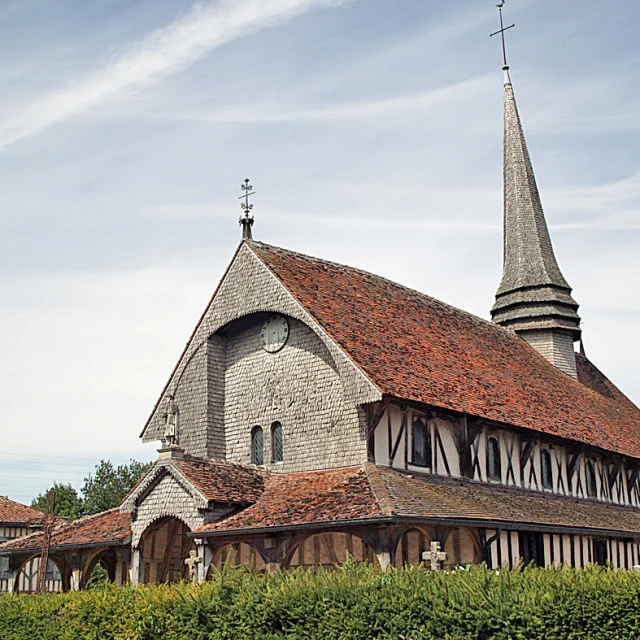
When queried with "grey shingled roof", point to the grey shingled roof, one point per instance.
{"points": [[533, 292]]}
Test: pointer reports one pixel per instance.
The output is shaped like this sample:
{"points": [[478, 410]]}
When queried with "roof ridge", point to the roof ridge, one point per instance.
{"points": [[380, 489]]}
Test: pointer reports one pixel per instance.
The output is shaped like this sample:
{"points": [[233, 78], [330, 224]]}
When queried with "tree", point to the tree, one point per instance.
{"points": [[107, 487], [67, 503]]}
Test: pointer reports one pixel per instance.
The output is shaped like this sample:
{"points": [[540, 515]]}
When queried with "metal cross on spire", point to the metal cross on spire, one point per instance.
{"points": [[501, 32], [246, 221]]}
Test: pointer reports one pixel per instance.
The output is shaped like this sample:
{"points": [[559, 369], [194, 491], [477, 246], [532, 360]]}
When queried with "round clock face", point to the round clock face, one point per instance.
{"points": [[275, 332]]}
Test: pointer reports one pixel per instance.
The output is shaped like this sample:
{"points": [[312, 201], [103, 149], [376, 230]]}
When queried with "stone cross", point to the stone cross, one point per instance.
{"points": [[192, 561], [435, 556]]}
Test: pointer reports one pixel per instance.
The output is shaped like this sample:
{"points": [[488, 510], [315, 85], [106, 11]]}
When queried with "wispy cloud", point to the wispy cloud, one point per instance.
{"points": [[364, 109], [163, 52], [611, 206]]}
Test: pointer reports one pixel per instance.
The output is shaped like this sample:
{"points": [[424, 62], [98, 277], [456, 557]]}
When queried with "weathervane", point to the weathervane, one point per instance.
{"points": [[247, 220], [501, 32]]}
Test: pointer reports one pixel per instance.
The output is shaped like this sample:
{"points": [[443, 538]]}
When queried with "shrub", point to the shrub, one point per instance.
{"points": [[352, 602]]}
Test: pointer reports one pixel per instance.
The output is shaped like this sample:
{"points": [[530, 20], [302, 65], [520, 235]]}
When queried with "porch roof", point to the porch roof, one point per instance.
{"points": [[109, 528], [370, 494]]}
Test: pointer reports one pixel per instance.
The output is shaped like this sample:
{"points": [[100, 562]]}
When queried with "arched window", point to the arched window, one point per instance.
{"points": [[257, 445], [494, 471], [420, 444], [591, 480], [547, 475], [277, 454]]}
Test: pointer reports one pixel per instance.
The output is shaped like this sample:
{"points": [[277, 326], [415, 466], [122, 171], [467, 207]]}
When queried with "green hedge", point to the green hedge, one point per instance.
{"points": [[351, 602]]}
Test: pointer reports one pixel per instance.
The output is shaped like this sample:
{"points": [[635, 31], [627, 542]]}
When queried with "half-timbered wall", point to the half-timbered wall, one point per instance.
{"points": [[573, 550], [394, 438], [460, 449], [9, 533]]}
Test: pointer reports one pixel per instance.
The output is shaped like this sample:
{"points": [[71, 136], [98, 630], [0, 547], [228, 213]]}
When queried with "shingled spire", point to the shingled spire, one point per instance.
{"points": [[533, 299]]}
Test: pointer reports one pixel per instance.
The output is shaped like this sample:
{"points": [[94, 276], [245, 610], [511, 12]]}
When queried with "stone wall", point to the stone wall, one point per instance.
{"points": [[166, 499], [250, 288], [298, 386]]}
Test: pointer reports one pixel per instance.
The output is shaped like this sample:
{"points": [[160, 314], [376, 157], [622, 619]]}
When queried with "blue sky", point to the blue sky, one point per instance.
{"points": [[372, 132]]}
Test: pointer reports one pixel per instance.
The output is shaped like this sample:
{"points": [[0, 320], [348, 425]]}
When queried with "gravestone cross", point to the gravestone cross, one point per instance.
{"points": [[435, 557]]}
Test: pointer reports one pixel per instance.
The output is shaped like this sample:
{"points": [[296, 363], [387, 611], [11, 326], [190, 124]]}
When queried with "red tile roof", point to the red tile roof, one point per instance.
{"points": [[108, 528], [371, 493], [222, 481], [295, 499], [15, 513], [416, 348]]}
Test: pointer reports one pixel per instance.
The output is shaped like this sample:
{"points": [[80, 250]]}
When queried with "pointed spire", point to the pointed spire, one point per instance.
{"points": [[533, 298], [529, 259]]}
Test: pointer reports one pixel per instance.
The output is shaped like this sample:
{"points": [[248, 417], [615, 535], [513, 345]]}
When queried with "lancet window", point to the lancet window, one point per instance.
{"points": [[545, 467], [277, 453], [420, 444], [591, 479], [257, 445], [494, 467]]}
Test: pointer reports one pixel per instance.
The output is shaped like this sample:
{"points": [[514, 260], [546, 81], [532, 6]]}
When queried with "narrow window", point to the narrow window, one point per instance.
{"points": [[591, 480], [420, 444], [257, 445], [276, 443], [545, 463], [494, 471]]}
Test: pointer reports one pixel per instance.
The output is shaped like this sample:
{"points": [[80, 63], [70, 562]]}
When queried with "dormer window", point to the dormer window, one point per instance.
{"points": [[590, 474], [420, 444], [494, 468], [257, 445], [277, 454], [545, 464]]}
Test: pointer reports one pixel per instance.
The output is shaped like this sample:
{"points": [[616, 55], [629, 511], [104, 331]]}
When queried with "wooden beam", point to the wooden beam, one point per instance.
{"points": [[373, 420], [403, 428], [376, 416], [571, 467], [631, 481], [525, 453], [613, 474]]}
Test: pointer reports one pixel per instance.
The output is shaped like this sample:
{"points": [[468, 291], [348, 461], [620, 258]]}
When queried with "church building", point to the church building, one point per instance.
{"points": [[320, 412]]}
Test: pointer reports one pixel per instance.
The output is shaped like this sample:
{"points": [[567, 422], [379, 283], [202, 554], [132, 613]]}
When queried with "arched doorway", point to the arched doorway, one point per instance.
{"points": [[328, 550], [164, 547], [101, 568], [412, 544], [461, 548], [27, 577], [236, 554]]}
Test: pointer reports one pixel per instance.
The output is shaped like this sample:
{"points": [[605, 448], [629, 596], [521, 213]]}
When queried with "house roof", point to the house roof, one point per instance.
{"points": [[15, 513], [106, 528], [372, 494], [416, 348]]}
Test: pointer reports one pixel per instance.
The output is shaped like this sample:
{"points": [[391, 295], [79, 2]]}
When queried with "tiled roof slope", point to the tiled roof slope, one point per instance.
{"points": [[16, 513], [416, 348], [108, 527], [437, 497], [222, 481], [294, 499], [371, 493]]}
